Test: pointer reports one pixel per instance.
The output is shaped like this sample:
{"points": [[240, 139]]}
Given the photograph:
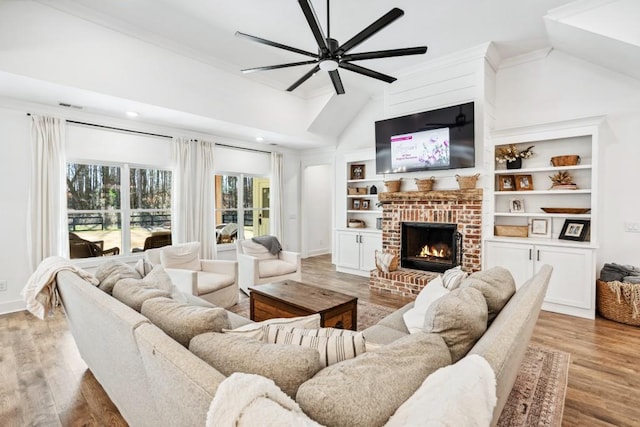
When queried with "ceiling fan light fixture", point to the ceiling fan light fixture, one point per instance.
{"points": [[329, 65]]}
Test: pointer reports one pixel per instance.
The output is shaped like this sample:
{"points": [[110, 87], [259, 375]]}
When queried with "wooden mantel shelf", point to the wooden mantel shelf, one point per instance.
{"points": [[474, 194]]}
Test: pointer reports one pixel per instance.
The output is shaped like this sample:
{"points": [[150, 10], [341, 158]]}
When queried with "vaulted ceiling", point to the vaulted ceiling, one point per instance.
{"points": [[203, 31]]}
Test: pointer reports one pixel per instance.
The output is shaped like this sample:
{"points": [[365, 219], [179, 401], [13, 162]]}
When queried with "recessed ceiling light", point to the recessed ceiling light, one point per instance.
{"points": [[259, 138], [132, 114]]}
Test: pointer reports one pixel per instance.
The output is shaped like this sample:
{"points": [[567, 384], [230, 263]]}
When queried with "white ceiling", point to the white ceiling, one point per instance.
{"points": [[204, 30]]}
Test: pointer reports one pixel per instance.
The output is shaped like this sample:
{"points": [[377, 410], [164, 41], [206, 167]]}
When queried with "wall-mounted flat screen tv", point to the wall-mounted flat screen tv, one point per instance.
{"points": [[430, 140]]}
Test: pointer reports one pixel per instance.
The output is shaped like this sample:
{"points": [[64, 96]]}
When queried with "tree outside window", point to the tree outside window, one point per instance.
{"points": [[102, 209]]}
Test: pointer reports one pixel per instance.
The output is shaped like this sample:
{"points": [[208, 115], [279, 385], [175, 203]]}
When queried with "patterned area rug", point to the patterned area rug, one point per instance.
{"points": [[537, 397]]}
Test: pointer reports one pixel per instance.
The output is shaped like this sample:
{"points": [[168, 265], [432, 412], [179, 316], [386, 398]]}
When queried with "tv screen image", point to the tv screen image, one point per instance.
{"points": [[420, 149], [431, 140]]}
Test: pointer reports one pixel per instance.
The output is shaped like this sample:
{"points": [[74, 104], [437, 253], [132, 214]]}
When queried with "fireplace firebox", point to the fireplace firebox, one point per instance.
{"points": [[430, 246]]}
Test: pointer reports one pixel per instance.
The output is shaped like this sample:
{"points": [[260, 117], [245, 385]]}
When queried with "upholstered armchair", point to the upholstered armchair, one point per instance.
{"points": [[256, 265], [215, 281]]}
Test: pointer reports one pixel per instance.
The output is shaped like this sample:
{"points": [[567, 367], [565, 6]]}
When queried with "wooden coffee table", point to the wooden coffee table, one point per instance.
{"points": [[292, 299]]}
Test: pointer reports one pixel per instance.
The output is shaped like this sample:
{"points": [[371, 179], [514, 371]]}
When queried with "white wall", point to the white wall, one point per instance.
{"points": [[317, 209], [561, 87], [15, 170]]}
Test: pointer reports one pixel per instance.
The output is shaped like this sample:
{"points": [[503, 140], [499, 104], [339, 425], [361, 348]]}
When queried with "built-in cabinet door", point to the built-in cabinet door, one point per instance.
{"points": [[369, 243], [517, 258], [571, 282], [348, 249]]}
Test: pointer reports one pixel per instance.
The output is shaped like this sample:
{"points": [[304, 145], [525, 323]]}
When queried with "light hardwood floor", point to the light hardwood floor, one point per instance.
{"points": [[44, 382]]}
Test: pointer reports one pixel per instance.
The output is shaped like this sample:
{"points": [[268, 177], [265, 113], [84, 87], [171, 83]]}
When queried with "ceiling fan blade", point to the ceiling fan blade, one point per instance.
{"points": [[312, 19], [304, 78], [275, 67], [367, 72], [385, 20], [385, 53], [275, 44], [337, 82]]}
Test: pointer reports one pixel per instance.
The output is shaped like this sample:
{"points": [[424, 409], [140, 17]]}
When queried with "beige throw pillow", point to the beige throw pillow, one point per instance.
{"points": [[287, 366], [134, 292], [497, 286], [182, 321], [460, 318], [110, 272], [367, 390]]}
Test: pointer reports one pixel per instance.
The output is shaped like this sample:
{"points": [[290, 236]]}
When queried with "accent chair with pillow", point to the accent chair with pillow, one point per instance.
{"points": [[215, 281], [257, 265]]}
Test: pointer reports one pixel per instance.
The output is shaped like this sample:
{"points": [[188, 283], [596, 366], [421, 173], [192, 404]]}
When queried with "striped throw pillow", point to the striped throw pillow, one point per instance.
{"points": [[452, 278], [334, 345]]}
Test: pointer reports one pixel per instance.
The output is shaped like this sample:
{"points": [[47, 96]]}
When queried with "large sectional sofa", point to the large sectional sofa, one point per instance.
{"points": [[156, 381]]}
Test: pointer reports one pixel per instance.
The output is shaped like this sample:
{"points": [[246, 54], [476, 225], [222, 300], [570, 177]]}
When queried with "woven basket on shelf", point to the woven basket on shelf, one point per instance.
{"points": [[467, 182], [425, 184], [610, 308], [570, 160], [393, 186]]}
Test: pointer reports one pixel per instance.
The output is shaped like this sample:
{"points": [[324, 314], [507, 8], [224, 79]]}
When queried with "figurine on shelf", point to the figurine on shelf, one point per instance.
{"points": [[562, 181]]}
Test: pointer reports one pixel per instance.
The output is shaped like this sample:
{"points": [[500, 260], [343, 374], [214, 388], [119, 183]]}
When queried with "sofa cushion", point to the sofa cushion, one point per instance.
{"points": [[251, 248], [152, 256], [134, 292], [275, 267], [497, 286], [460, 318], [287, 366], [414, 317], [334, 345], [185, 256], [453, 277], [110, 272], [367, 390], [257, 330], [182, 321], [210, 282]]}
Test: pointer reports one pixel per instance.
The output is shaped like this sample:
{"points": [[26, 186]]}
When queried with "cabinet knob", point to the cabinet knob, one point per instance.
{"points": [[530, 254]]}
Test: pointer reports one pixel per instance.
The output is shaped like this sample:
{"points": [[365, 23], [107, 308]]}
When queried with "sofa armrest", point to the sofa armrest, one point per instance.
{"points": [[185, 280], [220, 266]]}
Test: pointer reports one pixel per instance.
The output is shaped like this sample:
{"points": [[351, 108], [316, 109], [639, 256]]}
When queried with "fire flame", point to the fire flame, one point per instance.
{"points": [[432, 251]]}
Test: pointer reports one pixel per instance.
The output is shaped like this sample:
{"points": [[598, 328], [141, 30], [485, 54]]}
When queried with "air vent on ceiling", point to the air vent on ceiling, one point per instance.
{"points": [[64, 104]]}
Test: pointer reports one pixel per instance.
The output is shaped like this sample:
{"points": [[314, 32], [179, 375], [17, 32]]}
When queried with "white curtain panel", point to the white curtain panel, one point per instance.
{"points": [[277, 191], [193, 194], [46, 210]]}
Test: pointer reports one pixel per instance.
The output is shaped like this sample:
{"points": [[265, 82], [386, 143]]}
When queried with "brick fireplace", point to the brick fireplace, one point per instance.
{"points": [[460, 207]]}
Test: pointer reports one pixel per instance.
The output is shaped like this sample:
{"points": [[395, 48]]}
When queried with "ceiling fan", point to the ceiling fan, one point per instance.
{"points": [[331, 55]]}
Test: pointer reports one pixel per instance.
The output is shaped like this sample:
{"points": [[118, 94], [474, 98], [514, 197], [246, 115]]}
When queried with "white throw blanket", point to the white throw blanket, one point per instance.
{"points": [[462, 394], [247, 400], [40, 292]]}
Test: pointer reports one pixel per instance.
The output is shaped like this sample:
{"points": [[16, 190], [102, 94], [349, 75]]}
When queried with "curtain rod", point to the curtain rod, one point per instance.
{"points": [[155, 134]]}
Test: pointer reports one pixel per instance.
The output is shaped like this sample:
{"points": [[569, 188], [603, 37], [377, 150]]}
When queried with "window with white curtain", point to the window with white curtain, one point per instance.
{"points": [[116, 207], [242, 207]]}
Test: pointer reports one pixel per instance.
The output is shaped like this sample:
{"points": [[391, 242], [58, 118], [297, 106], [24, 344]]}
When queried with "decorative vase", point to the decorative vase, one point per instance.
{"points": [[516, 164]]}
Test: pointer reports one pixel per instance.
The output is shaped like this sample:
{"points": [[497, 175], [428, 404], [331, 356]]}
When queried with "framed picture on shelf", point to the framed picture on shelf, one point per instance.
{"points": [[364, 205], [355, 204], [575, 229], [357, 171], [516, 205], [524, 182], [506, 183], [540, 227]]}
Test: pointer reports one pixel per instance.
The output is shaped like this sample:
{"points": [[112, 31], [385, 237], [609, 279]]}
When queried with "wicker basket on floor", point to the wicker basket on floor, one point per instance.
{"points": [[610, 308]]}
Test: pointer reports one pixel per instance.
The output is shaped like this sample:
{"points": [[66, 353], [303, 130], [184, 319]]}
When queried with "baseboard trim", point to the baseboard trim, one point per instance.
{"points": [[317, 252], [12, 306]]}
